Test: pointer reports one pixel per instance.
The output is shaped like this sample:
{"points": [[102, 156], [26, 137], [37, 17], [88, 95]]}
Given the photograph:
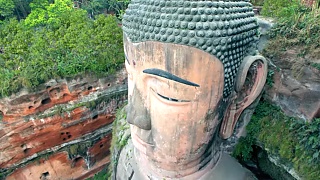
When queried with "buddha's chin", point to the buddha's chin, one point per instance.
{"points": [[161, 168]]}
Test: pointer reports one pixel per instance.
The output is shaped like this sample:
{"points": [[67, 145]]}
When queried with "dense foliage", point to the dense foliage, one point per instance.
{"points": [[102, 175], [257, 2], [6, 8], [56, 41], [297, 28], [15, 8], [279, 8], [21, 8], [95, 7], [296, 142]]}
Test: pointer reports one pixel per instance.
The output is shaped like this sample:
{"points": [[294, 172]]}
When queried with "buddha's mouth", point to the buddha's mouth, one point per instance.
{"points": [[140, 139]]}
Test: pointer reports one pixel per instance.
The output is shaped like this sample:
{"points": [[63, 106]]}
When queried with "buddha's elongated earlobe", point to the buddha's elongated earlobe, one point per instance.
{"points": [[247, 89]]}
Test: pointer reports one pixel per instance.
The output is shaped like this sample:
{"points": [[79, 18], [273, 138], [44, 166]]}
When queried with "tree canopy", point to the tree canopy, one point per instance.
{"points": [[6, 8], [56, 41]]}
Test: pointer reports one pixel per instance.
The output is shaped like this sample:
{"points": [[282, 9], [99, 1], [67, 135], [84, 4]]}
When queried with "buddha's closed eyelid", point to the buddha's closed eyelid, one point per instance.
{"points": [[172, 99], [168, 99], [165, 91]]}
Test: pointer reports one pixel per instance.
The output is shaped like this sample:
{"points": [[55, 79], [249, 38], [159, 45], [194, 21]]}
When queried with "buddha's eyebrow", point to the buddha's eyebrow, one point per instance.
{"points": [[167, 75]]}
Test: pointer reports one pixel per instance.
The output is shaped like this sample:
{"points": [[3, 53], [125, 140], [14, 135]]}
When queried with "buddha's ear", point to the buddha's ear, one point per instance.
{"points": [[249, 83]]}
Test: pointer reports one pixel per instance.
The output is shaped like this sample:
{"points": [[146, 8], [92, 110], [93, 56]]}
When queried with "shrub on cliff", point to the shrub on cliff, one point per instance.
{"points": [[61, 43], [257, 2], [294, 141], [297, 29], [280, 8]]}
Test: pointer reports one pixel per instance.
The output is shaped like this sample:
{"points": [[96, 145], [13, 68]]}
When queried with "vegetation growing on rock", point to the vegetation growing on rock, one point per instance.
{"points": [[257, 2], [297, 29], [120, 137], [296, 142], [102, 175], [56, 41]]}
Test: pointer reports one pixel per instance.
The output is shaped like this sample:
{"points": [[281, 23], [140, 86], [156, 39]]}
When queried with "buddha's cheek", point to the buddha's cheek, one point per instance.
{"points": [[178, 130]]}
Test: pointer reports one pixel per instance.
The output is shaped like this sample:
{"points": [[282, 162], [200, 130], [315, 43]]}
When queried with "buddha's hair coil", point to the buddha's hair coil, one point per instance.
{"points": [[226, 29]]}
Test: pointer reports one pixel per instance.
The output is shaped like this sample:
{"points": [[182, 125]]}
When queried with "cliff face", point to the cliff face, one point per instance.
{"points": [[293, 84], [284, 129], [62, 130], [295, 88]]}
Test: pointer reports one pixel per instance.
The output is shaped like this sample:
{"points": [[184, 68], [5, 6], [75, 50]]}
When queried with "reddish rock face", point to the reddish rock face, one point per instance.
{"points": [[66, 121], [58, 166], [296, 88], [100, 150]]}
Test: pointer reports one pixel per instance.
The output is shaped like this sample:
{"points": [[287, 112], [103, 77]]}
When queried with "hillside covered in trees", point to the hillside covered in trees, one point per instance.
{"points": [[42, 39]]}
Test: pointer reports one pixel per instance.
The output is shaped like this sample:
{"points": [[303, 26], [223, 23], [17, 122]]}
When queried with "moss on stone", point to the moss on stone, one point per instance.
{"points": [[79, 149], [120, 137], [92, 104], [271, 169], [283, 136], [316, 65], [102, 175], [5, 172], [74, 148]]}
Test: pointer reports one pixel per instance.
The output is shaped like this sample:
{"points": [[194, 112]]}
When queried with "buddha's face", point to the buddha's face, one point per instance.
{"points": [[174, 94]]}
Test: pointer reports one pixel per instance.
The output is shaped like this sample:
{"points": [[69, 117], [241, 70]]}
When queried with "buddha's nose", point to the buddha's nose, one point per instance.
{"points": [[137, 113]]}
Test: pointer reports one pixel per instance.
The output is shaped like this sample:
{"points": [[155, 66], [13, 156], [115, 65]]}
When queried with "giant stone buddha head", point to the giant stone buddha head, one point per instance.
{"points": [[192, 70]]}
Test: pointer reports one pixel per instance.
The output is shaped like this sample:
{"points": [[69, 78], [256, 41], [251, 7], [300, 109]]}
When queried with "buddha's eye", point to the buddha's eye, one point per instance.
{"points": [[166, 93], [172, 99]]}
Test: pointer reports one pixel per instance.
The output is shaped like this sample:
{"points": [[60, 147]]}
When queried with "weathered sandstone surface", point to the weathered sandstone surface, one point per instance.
{"points": [[62, 130], [296, 87], [293, 84]]}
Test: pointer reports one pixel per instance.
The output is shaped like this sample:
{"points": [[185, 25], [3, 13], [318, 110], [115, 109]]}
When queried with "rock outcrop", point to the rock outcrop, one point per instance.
{"points": [[62, 130], [295, 87], [294, 84]]}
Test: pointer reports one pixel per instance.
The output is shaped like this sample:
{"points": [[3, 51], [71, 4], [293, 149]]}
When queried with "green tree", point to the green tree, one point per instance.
{"points": [[94, 7], [120, 6], [22, 8], [33, 54], [43, 13], [6, 8]]}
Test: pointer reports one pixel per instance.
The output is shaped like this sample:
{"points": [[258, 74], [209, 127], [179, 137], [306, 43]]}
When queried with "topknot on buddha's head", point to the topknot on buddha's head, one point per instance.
{"points": [[225, 29]]}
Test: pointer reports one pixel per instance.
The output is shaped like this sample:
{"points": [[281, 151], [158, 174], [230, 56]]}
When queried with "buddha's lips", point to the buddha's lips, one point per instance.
{"points": [[140, 144]]}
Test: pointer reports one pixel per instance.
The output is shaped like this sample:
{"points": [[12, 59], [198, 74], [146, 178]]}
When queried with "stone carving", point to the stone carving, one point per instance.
{"points": [[222, 28], [192, 70]]}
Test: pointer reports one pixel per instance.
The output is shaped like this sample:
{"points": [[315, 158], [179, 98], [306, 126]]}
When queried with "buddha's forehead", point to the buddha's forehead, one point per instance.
{"points": [[224, 29], [174, 58], [186, 71]]}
